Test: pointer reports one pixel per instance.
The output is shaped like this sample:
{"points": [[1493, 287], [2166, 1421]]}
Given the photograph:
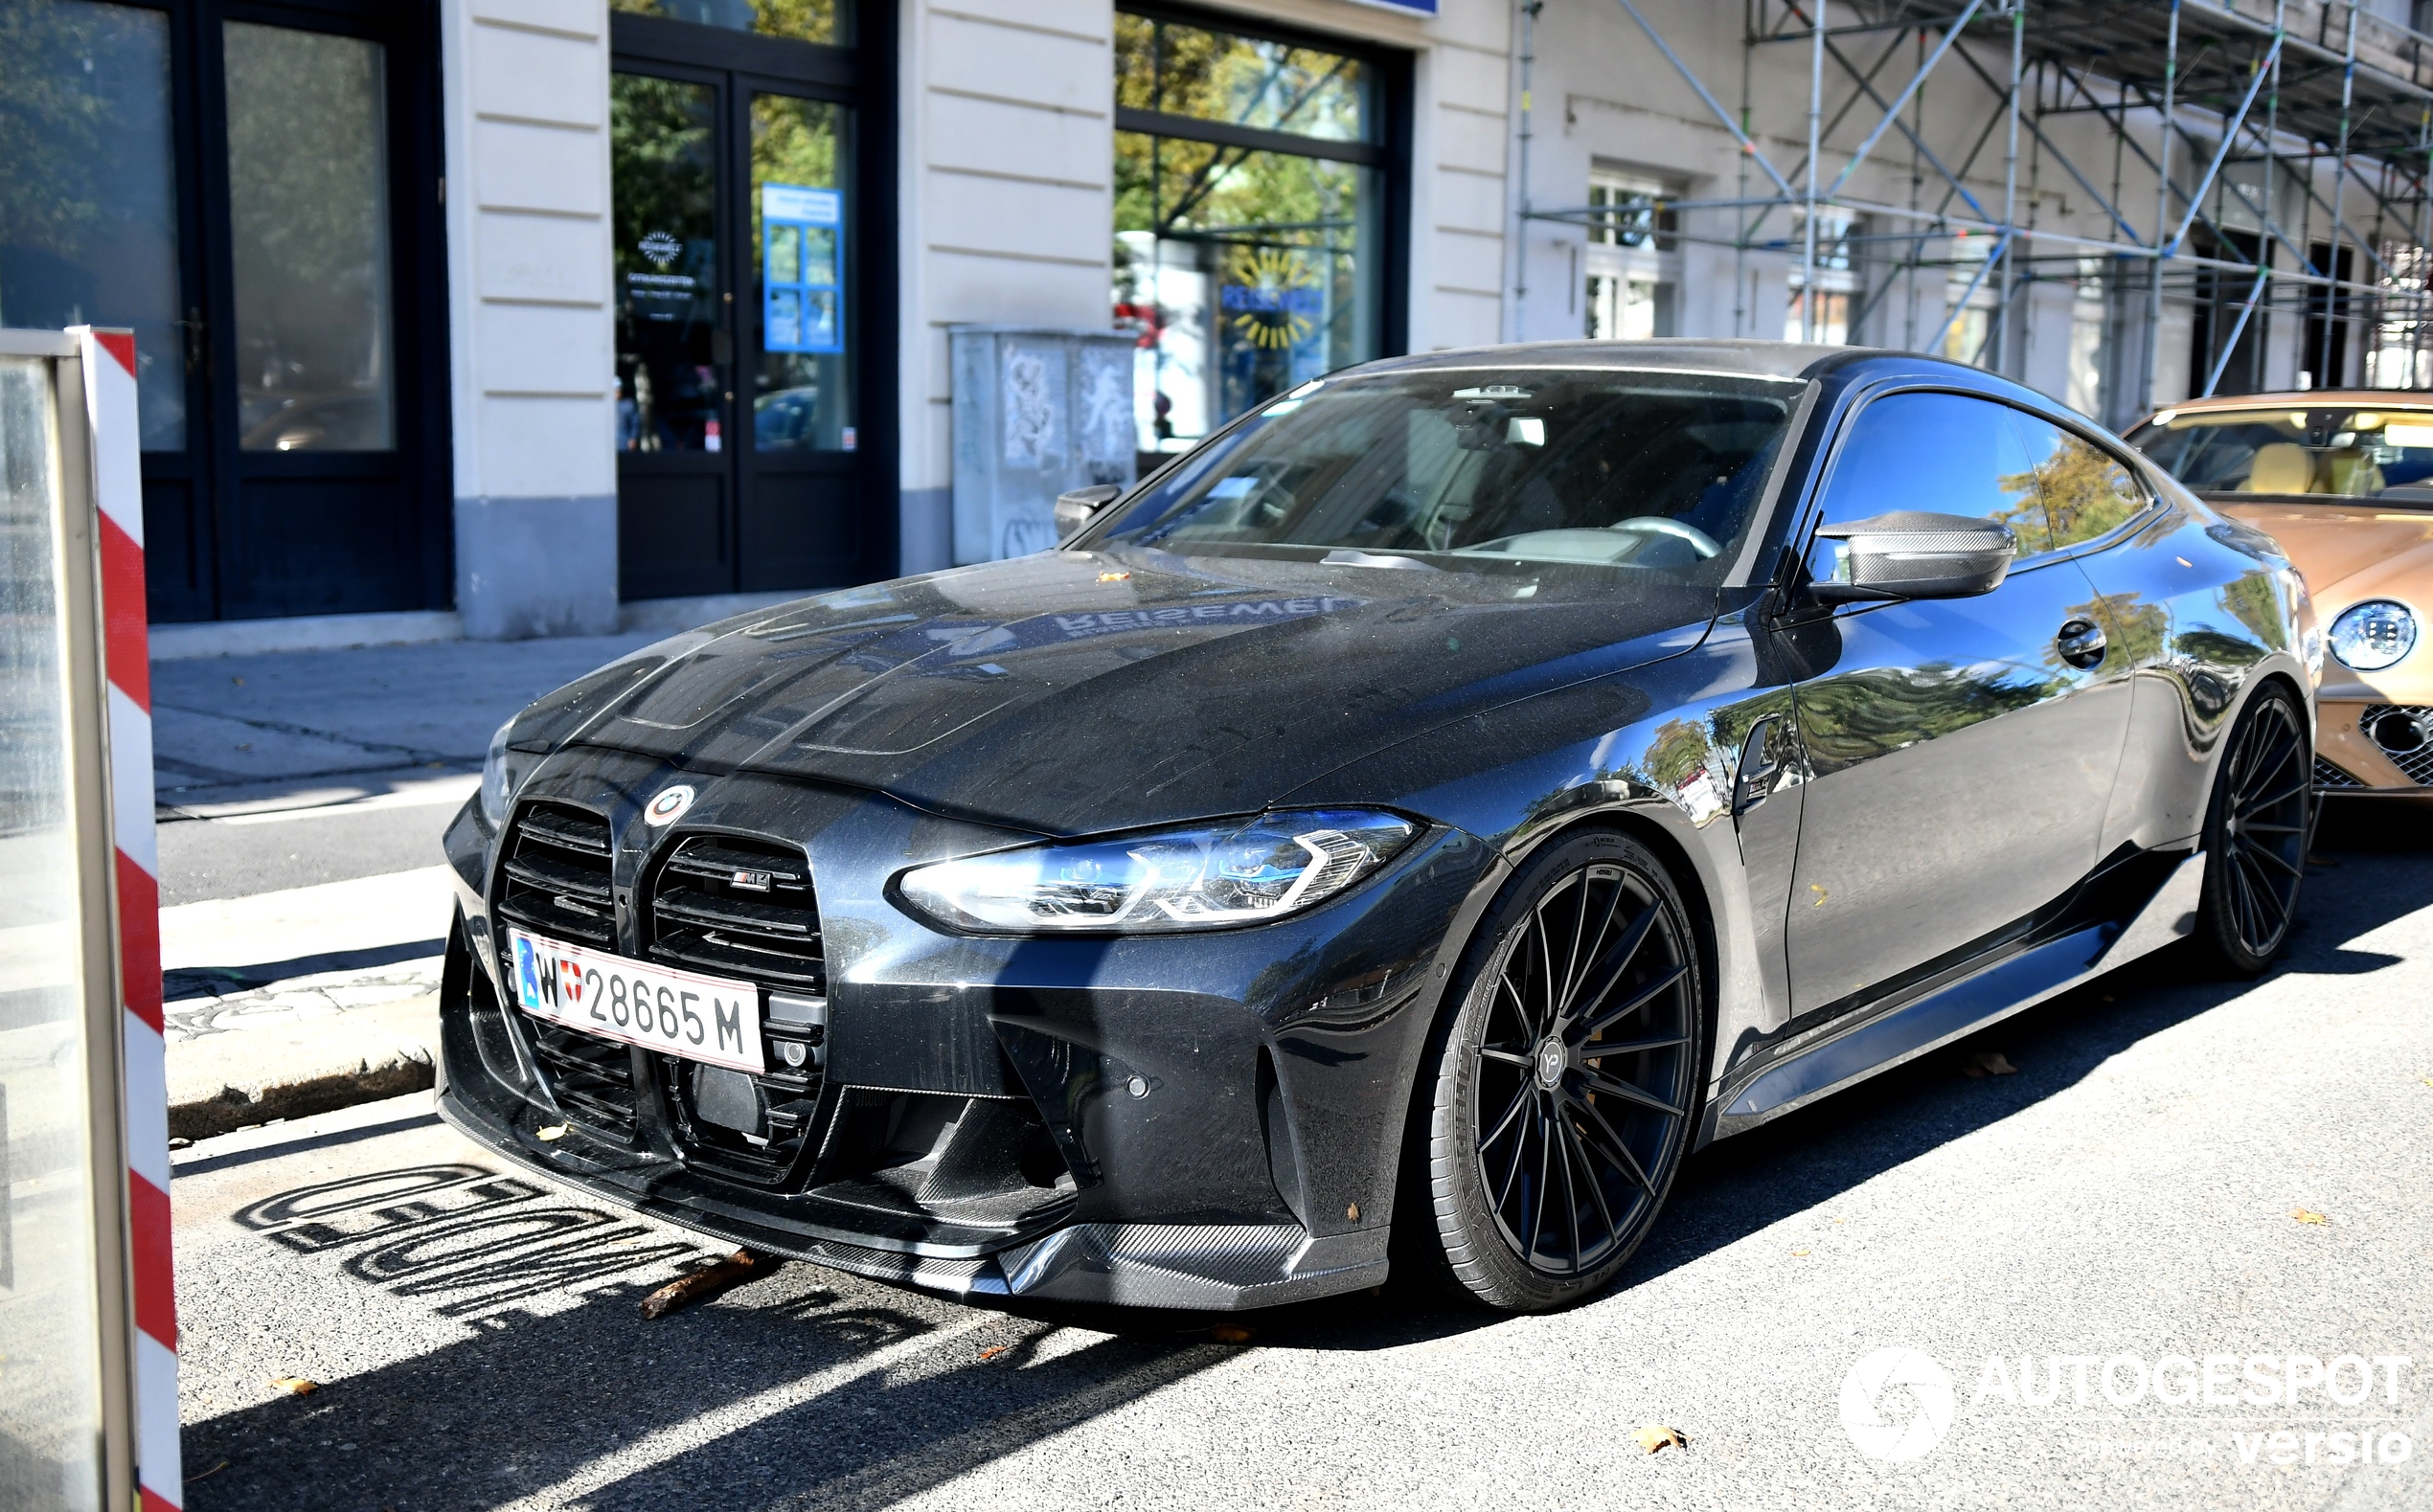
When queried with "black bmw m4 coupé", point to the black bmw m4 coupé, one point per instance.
{"points": [[1401, 829]]}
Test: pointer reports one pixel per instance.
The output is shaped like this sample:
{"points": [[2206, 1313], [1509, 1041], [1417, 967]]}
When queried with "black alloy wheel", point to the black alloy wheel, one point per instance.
{"points": [[2255, 834], [1568, 1080]]}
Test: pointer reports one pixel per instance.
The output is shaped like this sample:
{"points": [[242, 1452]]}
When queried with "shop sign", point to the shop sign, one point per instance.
{"points": [[801, 275]]}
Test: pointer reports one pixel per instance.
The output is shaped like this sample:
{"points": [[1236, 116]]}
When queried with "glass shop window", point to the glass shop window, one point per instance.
{"points": [[1247, 260]]}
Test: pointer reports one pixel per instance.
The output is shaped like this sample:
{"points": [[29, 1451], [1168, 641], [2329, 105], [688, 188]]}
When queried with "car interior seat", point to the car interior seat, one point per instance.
{"points": [[2350, 470], [2281, 467]]}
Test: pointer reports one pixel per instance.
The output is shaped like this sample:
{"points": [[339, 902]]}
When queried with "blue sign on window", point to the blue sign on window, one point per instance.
{"points": [[801, 268], [1422, 6]]}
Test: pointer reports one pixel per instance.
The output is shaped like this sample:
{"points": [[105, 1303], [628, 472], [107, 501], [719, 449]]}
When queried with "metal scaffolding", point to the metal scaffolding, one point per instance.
{"points": [[2235, 110]]}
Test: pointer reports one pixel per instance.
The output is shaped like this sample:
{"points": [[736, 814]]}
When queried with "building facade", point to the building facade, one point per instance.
{"points": [[538, 317]]}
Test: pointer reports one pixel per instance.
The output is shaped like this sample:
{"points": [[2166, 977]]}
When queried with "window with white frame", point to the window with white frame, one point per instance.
{"points": [[1825, 316], [1970, 336], [2089, 330], [1631, 268]]}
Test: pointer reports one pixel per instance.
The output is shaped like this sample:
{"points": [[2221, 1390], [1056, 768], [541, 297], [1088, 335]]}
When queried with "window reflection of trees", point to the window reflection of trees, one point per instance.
{"points": [[2079, 492]]}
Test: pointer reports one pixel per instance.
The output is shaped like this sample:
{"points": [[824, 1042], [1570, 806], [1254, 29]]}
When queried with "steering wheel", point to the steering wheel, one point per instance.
{"points": [[1699, 541]]}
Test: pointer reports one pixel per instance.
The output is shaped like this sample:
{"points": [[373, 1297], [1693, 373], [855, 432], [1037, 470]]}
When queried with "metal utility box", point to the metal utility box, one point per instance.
{"points": [[1037, 410]]}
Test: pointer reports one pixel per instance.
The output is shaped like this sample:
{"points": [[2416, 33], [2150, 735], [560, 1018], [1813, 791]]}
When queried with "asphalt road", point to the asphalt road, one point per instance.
{"points": [[2130, 1192], [239, 856]]}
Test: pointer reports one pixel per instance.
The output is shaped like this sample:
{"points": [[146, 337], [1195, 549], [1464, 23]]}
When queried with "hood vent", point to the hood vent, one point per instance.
{"points": [[556, 880], [735, 907]]}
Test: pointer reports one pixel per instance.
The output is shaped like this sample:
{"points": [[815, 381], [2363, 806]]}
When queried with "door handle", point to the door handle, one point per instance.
{"points": [[2081, 642]]}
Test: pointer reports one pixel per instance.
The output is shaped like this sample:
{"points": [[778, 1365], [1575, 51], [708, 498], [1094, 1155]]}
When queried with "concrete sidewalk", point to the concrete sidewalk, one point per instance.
{"points": [[300, 797], [232, 732]]}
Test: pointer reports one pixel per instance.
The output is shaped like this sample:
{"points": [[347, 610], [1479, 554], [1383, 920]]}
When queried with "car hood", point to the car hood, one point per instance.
{"points": [[1069, 692], [2348, 551]]}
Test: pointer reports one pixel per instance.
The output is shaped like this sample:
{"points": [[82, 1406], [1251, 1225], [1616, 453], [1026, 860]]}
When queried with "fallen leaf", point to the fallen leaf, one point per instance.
{"points": [[556, 1131], [1114, 577], [2306, 1215], [2427, 1080], [295, 1385], [701, 1285], [208, 1474], [1230, 1334], [995, 1350], [1798, 1252], [1653, 1436], [1988, 1063]]}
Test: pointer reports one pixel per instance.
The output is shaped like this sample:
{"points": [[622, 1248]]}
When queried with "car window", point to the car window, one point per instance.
{"points": [[1638, 472], [2087, 491], [1944, 453], [2341, 450]]}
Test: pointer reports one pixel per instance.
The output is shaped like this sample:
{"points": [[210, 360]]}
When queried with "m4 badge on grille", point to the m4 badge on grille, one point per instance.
{"points": [[749, 881]]}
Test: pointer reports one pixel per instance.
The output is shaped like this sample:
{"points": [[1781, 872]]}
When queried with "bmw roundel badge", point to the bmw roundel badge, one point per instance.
{"points": [[668, 806]]}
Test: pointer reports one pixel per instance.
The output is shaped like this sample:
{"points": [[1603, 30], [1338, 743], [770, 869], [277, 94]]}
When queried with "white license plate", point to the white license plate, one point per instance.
{"points": [[685, 1013]]}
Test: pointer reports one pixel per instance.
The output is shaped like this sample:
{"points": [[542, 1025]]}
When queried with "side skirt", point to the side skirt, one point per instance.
{"points": [[1934, 1020]]}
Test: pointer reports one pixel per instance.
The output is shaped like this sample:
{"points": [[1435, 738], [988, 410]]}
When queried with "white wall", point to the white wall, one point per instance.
{"points": [[530, 324], [1007, 202]]}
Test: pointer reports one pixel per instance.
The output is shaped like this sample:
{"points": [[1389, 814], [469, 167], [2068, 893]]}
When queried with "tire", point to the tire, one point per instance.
{"points": [[1529, 1093], [2256, 831]]}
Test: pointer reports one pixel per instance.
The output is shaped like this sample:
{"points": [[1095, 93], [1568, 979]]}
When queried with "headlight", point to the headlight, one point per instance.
{"points": [[502, 773], [1199, 877], [2373, 635]]}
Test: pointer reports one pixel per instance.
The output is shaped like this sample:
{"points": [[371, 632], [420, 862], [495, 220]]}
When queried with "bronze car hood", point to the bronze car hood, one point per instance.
{"points": [[2351, 550], [1067, 692]]}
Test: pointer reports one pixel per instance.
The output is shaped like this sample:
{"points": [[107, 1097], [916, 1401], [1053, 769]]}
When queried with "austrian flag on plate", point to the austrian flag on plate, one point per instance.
{"points": [[711, 1019]]}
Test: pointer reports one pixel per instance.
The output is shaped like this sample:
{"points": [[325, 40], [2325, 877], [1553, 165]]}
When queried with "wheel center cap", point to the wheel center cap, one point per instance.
{"points": [[1551, 1061]]}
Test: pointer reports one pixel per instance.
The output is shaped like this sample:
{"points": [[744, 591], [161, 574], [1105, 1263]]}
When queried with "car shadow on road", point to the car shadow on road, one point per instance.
{"points": [[806, 1383]]}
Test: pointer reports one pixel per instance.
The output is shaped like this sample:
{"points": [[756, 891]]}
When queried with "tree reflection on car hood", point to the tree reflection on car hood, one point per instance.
{"points": [[1068, 692]]}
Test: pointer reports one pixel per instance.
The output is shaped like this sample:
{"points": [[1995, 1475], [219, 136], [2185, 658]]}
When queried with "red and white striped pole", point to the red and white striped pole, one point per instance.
{"points": [[117, 487]]}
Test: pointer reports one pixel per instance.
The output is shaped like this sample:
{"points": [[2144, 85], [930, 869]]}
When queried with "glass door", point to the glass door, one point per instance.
{"points": [[254, 191], [325, 435], [738, 446], [676, 485]]}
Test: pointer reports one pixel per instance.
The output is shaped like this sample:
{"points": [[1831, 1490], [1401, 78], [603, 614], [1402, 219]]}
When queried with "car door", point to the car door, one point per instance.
{"points": [[1962, 759]]}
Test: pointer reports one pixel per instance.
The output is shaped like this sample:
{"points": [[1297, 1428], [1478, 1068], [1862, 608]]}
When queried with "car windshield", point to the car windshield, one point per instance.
{"points": [[1635, 471], [2341, 451]]}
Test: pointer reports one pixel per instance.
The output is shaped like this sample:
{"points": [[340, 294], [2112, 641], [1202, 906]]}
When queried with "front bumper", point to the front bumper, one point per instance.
{"points": [[2372, 747], [1195, 1121]]}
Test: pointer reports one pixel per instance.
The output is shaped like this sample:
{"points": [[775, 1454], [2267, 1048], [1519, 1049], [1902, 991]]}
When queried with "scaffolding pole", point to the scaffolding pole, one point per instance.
{"points": [[2258, 107]]}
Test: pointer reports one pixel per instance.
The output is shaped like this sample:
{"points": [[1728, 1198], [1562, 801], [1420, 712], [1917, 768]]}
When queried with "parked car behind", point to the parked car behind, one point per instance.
{"points": [[2343, 483], [1396, 832]]}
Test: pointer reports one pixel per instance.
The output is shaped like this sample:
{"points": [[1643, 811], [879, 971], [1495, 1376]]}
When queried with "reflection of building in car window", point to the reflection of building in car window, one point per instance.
{"points": [[2338, 452]]}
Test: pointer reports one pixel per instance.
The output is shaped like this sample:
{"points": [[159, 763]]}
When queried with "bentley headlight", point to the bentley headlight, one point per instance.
{"points": [[502, 773], [2373, 635], [1204, 876]]}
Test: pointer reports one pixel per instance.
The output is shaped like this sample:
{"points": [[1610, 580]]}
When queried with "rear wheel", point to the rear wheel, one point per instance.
{"points": [[2256, 835], [1565, 1084]]}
